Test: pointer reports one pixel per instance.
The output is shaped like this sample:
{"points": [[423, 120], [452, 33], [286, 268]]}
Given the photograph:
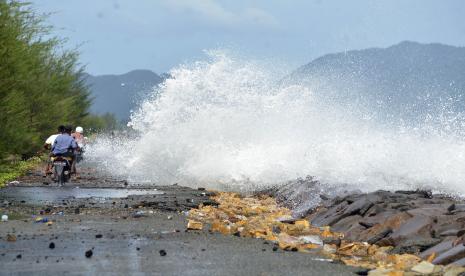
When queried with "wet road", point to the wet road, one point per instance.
{"points": [[130, 233], [38, 195]]}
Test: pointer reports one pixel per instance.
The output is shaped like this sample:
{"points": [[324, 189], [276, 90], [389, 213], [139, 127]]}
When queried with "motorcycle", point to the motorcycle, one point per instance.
{"points": [[61, 169], [79, 154]]}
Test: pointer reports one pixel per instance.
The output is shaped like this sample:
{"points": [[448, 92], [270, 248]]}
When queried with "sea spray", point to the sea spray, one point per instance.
{"points": [[225, 122]]}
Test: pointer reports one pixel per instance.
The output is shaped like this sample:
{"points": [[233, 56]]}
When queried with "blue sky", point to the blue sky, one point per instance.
{"points": [[116, 36]]}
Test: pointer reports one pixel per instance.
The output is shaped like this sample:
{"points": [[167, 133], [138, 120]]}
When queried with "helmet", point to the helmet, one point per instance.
{"points": [[79, 129]]}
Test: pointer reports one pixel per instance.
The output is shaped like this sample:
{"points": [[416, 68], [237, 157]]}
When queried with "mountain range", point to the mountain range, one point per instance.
{"points": [[119, 94], [408, 78]]}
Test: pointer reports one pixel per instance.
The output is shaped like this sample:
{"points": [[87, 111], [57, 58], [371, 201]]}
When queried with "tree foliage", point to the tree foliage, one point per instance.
{"points": [[41, 84], [101, 123]]}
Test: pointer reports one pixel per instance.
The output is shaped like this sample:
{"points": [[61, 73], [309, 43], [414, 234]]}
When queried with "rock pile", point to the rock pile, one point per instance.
{"points": [[415, 222], [261, 217]]}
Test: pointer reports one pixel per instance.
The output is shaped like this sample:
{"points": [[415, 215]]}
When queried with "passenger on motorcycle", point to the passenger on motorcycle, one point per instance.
{"points": [[48, 146], [79, 137], [64, 145], [80, 140]]}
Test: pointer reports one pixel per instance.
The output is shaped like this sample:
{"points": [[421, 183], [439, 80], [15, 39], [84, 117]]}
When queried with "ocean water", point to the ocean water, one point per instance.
{"points": [[226, 122]]}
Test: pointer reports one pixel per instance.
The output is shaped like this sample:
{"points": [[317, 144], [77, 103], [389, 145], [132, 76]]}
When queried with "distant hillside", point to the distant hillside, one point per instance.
{"points": [[119, 94], [409, 78]]}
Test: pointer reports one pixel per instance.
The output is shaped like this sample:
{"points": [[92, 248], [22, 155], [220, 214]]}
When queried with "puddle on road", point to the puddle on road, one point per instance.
{"points": [[40, 194]]}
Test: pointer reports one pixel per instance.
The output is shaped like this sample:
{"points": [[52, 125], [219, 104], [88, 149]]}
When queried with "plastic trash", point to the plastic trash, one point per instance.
{"points": [[41, 220], [4, 218]]}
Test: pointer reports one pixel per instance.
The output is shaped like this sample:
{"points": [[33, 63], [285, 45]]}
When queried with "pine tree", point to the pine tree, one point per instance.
{"points": [[41, 86]]}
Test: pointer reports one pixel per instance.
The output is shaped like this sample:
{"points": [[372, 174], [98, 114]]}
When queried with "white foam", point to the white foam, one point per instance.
{"points": [[225, 121]]}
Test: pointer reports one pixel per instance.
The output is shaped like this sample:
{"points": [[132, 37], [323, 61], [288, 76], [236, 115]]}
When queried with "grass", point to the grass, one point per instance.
{"points": [[10, 170]]}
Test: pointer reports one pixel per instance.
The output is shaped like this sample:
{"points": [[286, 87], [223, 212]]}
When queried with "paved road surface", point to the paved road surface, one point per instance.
{"points": [[126, 240]]}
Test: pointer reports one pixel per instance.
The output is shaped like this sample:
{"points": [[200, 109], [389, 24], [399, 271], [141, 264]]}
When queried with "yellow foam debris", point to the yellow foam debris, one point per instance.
{"points": [[194, 225], [261, 217], [431, 257]]}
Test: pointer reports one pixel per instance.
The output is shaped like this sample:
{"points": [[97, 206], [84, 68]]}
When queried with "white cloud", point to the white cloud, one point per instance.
{"points": [[261, 17], [213, 12]]}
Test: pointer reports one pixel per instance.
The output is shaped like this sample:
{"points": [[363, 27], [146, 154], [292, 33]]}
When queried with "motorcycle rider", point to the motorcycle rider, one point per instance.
{"points": [[48, 146], [80, 140], [64, 145]]}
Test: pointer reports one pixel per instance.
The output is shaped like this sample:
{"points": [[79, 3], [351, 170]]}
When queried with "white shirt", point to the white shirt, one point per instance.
{"points": [[50, 140]]}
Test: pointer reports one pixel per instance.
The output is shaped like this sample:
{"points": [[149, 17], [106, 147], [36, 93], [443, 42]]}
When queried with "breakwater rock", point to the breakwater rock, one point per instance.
{"points": [[417, 222]]}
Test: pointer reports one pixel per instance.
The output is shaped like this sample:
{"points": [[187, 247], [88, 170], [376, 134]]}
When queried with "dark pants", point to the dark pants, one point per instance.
{"points": [[72, 155], [66, 154]]}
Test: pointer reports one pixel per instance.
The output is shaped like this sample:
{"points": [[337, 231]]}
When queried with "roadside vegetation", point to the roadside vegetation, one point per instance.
{"points": [[41, 87], [11, 170]]}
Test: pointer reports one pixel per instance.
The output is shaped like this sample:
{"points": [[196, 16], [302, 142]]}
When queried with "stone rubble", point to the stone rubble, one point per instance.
{"points": [[411, 222], [389, 233]]}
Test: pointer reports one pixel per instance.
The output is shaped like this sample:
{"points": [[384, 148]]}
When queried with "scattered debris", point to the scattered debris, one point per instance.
{"points": [[329, 249], [424, 268], [4, 218], [194, 225], [138, 214], [311, 239], [41, 220], [262, 217], [10, 238], [89, 253], [322, 260]]}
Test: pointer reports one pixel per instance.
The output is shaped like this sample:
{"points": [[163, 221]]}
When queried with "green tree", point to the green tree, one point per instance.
{"points": [[41, 85], [105, 122]]}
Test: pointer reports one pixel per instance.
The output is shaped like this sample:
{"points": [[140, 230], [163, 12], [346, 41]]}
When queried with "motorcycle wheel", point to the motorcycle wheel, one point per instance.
{"points": [[59, 175]]}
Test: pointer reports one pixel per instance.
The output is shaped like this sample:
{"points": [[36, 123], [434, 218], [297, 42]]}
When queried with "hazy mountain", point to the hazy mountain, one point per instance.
{"points": [[409, 78], [119, 94]]}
